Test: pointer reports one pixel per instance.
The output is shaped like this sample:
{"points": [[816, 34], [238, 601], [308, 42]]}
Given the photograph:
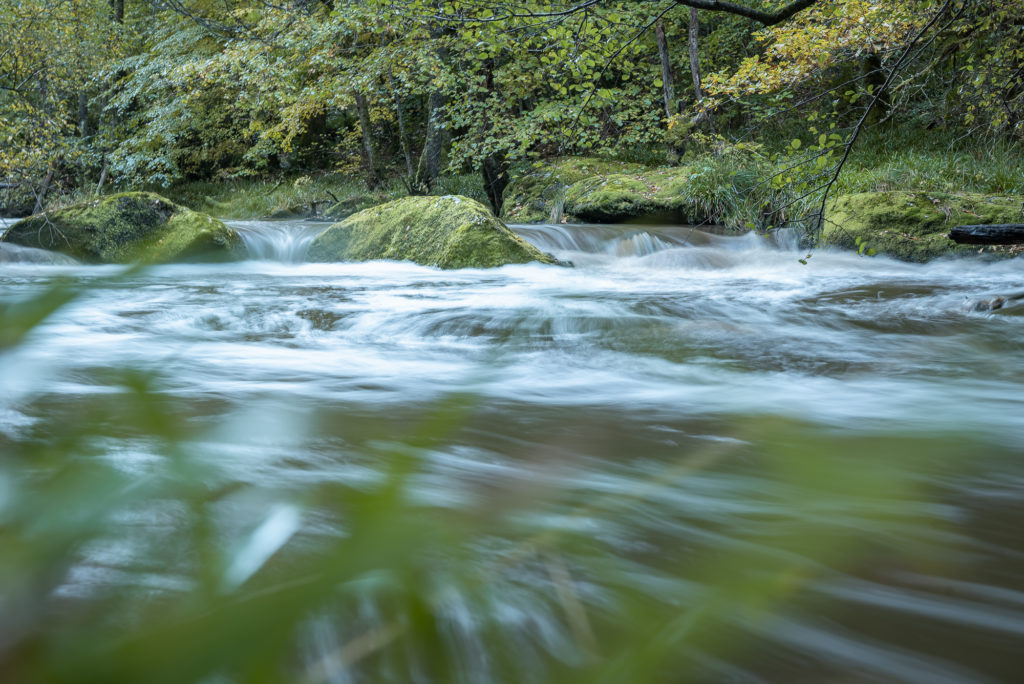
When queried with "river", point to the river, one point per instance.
{"points": [[664, 349]]}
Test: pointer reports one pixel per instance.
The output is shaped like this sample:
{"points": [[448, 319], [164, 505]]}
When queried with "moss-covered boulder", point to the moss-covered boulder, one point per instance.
{"points": [[914, 226], [655, 194], [131, 227], [537, 190], [448, 232]]}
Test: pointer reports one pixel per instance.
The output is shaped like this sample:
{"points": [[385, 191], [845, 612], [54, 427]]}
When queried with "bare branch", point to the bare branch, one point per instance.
{"points": [[760, 16]]}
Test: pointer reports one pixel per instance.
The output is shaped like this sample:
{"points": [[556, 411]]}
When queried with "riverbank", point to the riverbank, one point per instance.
{"points": [[741, 187]]}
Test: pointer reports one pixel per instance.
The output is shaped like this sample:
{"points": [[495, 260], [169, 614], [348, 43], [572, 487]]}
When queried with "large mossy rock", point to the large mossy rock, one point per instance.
{"points": [[654, 194], [536, 191], [914, 226], [448, 232], [131, 227]]}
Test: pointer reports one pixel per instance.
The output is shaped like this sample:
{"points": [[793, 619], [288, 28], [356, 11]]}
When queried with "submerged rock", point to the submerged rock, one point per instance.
{"points": [[130, 227], [448, 232], [914, 226], [535, 194]]}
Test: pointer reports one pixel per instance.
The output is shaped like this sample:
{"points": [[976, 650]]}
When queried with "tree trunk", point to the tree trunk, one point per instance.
{"points": [[41, 197], [668, 91], [372, 180], [495, 172], [430, 162], [117, 10], [693, 34], [433, 146], [994, 234], [874, 78], [403, 139], [103, 175], [83, 114]]}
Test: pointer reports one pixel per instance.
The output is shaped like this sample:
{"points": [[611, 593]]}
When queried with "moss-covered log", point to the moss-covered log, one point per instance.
{"points": [[448, 232], [133, 227]]}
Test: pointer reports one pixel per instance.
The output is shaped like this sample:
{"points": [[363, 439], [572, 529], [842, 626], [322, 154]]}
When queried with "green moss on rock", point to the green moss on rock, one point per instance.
{"points": [[131, 227], [536, 190], [914, 226], [662, 194], [448, 232]]}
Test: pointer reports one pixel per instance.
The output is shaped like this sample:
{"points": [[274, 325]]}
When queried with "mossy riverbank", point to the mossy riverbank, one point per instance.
{"points": [[892, 198], [914, 226], [132, 227]]}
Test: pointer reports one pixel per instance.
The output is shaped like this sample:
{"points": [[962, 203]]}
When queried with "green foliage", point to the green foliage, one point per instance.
{"points": [[221, 93], [51, 59]]}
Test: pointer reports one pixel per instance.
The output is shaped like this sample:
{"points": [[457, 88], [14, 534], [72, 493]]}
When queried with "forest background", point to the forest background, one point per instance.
{"points": [[243, 108]]}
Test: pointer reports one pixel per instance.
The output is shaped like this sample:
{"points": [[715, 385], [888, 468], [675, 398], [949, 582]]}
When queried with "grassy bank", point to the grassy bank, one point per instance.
{"points": [[745, 185], [900, 159]]}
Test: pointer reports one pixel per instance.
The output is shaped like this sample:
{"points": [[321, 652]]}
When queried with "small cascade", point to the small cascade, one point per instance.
{"points": [[628, 240], [284, 241], [615, 240], [556, 211], [16, 254], [641, 244], [787, 239]]}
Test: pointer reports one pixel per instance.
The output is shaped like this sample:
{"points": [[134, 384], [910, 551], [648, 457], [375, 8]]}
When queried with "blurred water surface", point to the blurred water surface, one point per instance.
{"points": [[810, 472]]}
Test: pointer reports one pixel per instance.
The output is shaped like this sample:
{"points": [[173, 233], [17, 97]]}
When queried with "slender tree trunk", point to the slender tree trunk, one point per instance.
{"points": [[41, 197], [83, 114], [693, 34], [372, 179], [403, 139], [494, 167], [874, 77], [495, 174], [103, 175], [430, 163], [117, 10], [666, 71], [433, 146]]}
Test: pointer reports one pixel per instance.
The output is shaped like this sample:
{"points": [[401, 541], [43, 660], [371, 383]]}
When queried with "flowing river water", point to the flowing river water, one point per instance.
{"points": [[718, 359]]}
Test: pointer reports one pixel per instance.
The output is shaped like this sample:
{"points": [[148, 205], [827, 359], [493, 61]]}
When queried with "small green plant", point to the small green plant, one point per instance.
{"points": [[862, 247]]}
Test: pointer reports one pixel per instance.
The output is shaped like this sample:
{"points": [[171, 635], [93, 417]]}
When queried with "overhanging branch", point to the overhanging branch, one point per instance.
{"points": [[767, 18]]}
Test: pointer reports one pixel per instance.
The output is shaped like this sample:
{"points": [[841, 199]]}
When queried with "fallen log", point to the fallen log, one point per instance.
{"points": [[993, 234], [8, 186]]}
